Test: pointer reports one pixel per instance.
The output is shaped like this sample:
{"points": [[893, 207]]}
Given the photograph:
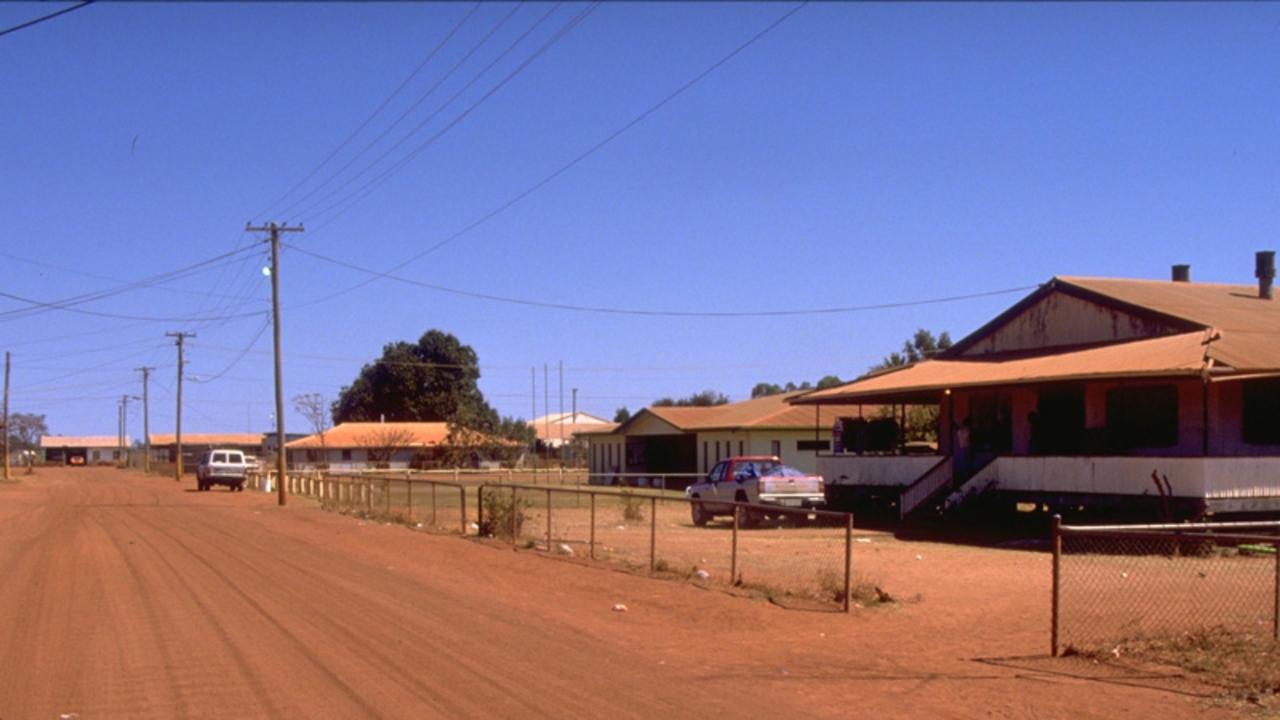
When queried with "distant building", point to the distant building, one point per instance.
{"points": [[688, 440], [164, 446], [359, 445], [1091, 396], [558, 428], [81, 449]]}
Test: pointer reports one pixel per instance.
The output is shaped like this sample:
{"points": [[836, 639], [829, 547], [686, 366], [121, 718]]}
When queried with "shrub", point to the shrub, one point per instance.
{"points": [[632, 508], [502, 510]]}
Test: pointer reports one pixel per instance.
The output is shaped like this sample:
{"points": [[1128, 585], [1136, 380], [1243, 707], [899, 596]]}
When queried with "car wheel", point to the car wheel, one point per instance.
{"points": [[700, 515]]}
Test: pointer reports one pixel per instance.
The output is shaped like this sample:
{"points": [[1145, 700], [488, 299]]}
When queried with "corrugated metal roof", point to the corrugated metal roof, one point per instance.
{"points": [[1226, 307], [774, 412], [208, 439], [376, 434], [1164, 356], [82, 441]]}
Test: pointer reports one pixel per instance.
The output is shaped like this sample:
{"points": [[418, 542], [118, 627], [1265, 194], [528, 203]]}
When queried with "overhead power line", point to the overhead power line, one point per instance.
{"points": [[573, 162], [443, 106], [50, 16], [381, 106], [785, 312]]}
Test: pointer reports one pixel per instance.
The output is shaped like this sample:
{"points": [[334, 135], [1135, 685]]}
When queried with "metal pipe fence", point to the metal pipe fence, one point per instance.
{"points": [[789, 554], [1117, 583], [420, 502]]}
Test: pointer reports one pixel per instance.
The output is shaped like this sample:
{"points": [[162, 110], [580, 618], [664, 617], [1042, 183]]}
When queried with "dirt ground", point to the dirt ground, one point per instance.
{"points": [[126, 596]]}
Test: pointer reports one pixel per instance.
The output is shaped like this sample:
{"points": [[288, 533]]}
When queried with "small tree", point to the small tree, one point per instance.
{"points": [[25, 431], [621, 415], [382, 444], [315, 408]]}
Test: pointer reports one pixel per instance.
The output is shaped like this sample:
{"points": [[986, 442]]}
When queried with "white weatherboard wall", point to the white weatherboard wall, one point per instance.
{"points": [[723, 444], [1188, 477], [892, 470]]}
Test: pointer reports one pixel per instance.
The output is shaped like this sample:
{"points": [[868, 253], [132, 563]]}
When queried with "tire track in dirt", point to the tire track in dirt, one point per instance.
{"points": [[373, 639]]}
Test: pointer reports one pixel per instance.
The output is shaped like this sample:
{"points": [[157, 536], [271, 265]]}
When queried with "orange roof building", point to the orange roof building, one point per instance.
{"points": [[1071, 399], [354, 445]]}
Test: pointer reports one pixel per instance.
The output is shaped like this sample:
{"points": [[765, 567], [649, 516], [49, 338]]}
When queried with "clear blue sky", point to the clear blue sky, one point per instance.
{"points": [[854, 155]]}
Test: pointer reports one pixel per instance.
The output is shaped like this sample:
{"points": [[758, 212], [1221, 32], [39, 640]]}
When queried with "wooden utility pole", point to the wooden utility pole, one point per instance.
{"points": [[146, 420], [177, 435], [275, 231], [561, 423], [6, 416]]}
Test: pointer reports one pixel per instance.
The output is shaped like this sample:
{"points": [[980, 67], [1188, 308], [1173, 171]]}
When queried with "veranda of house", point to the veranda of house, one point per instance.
{"points": [[1153, 399]]}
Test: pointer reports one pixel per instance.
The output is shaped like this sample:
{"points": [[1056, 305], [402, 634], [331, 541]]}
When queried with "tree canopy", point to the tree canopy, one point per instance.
{"points": [[25, 430], [622, 415], [706, 398], [921, 346], [765, 389], [433, 380], [428, 381]]}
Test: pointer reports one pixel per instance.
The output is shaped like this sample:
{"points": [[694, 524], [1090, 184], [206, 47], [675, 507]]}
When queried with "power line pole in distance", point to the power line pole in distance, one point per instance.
{"points": [[6, 416], [177, 435], [146, 420], [275, 231]]}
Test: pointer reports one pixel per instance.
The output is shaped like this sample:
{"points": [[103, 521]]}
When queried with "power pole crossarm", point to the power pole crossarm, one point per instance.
{"points": [[275, 231]]}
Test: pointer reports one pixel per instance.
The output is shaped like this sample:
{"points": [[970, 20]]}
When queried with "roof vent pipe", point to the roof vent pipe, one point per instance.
{"points": [[1182, 273], [1265, 271]]}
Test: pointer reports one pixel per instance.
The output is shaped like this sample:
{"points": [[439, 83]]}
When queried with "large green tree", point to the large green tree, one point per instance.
{"points": [[432, 380]]}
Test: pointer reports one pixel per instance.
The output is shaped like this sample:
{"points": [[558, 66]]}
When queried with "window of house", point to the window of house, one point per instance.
{"points": [[1261, 409], [775, 448], [1142, 416], [813, 445], [346, 454]]}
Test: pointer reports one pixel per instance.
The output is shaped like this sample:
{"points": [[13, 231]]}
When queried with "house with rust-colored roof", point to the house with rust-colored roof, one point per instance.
{"points": [[1093, 396], [660, 441], [359, 445], [82, 449], [164, 446]]}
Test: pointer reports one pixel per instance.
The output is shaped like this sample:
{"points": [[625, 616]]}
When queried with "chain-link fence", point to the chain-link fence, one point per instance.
{"points": [[790, 555], [1113, 584]]}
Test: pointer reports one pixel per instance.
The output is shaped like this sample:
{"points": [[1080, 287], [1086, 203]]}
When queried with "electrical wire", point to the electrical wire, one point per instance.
{"points": [[566, 167], [239, 357], [791, 312], [405, 138], [50, 16], [368, 188], [118, 316], [381, 106]]}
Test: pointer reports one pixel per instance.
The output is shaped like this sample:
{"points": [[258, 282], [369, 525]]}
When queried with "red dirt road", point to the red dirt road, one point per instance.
{"points": [[125, 596]]}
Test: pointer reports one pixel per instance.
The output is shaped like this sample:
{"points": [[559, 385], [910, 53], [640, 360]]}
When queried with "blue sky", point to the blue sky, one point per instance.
{"points": [[856, 154]]}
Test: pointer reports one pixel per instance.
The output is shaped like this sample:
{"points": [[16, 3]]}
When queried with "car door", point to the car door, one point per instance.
{"points": [[716, 489]]}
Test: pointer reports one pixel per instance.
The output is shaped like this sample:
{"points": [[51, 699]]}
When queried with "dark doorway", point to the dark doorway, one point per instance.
{"points": [[1057, 425], [662, 454], [991, 423]]}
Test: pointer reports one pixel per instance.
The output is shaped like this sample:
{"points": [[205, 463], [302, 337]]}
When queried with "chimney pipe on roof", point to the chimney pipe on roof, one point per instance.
{"points": [[1265, 271], [1182, 273]]}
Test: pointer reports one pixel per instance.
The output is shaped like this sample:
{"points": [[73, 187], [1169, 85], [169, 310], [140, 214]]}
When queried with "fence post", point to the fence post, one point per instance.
{"points": [[368, 497], [433, 503], [653, 533], [592, 541], [462, 504], [1275, 620], [548, 519], [408, 496], [513, 517], [733, 553], [1057, 583], [386, 492], [848, 559], [479, 506]]}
